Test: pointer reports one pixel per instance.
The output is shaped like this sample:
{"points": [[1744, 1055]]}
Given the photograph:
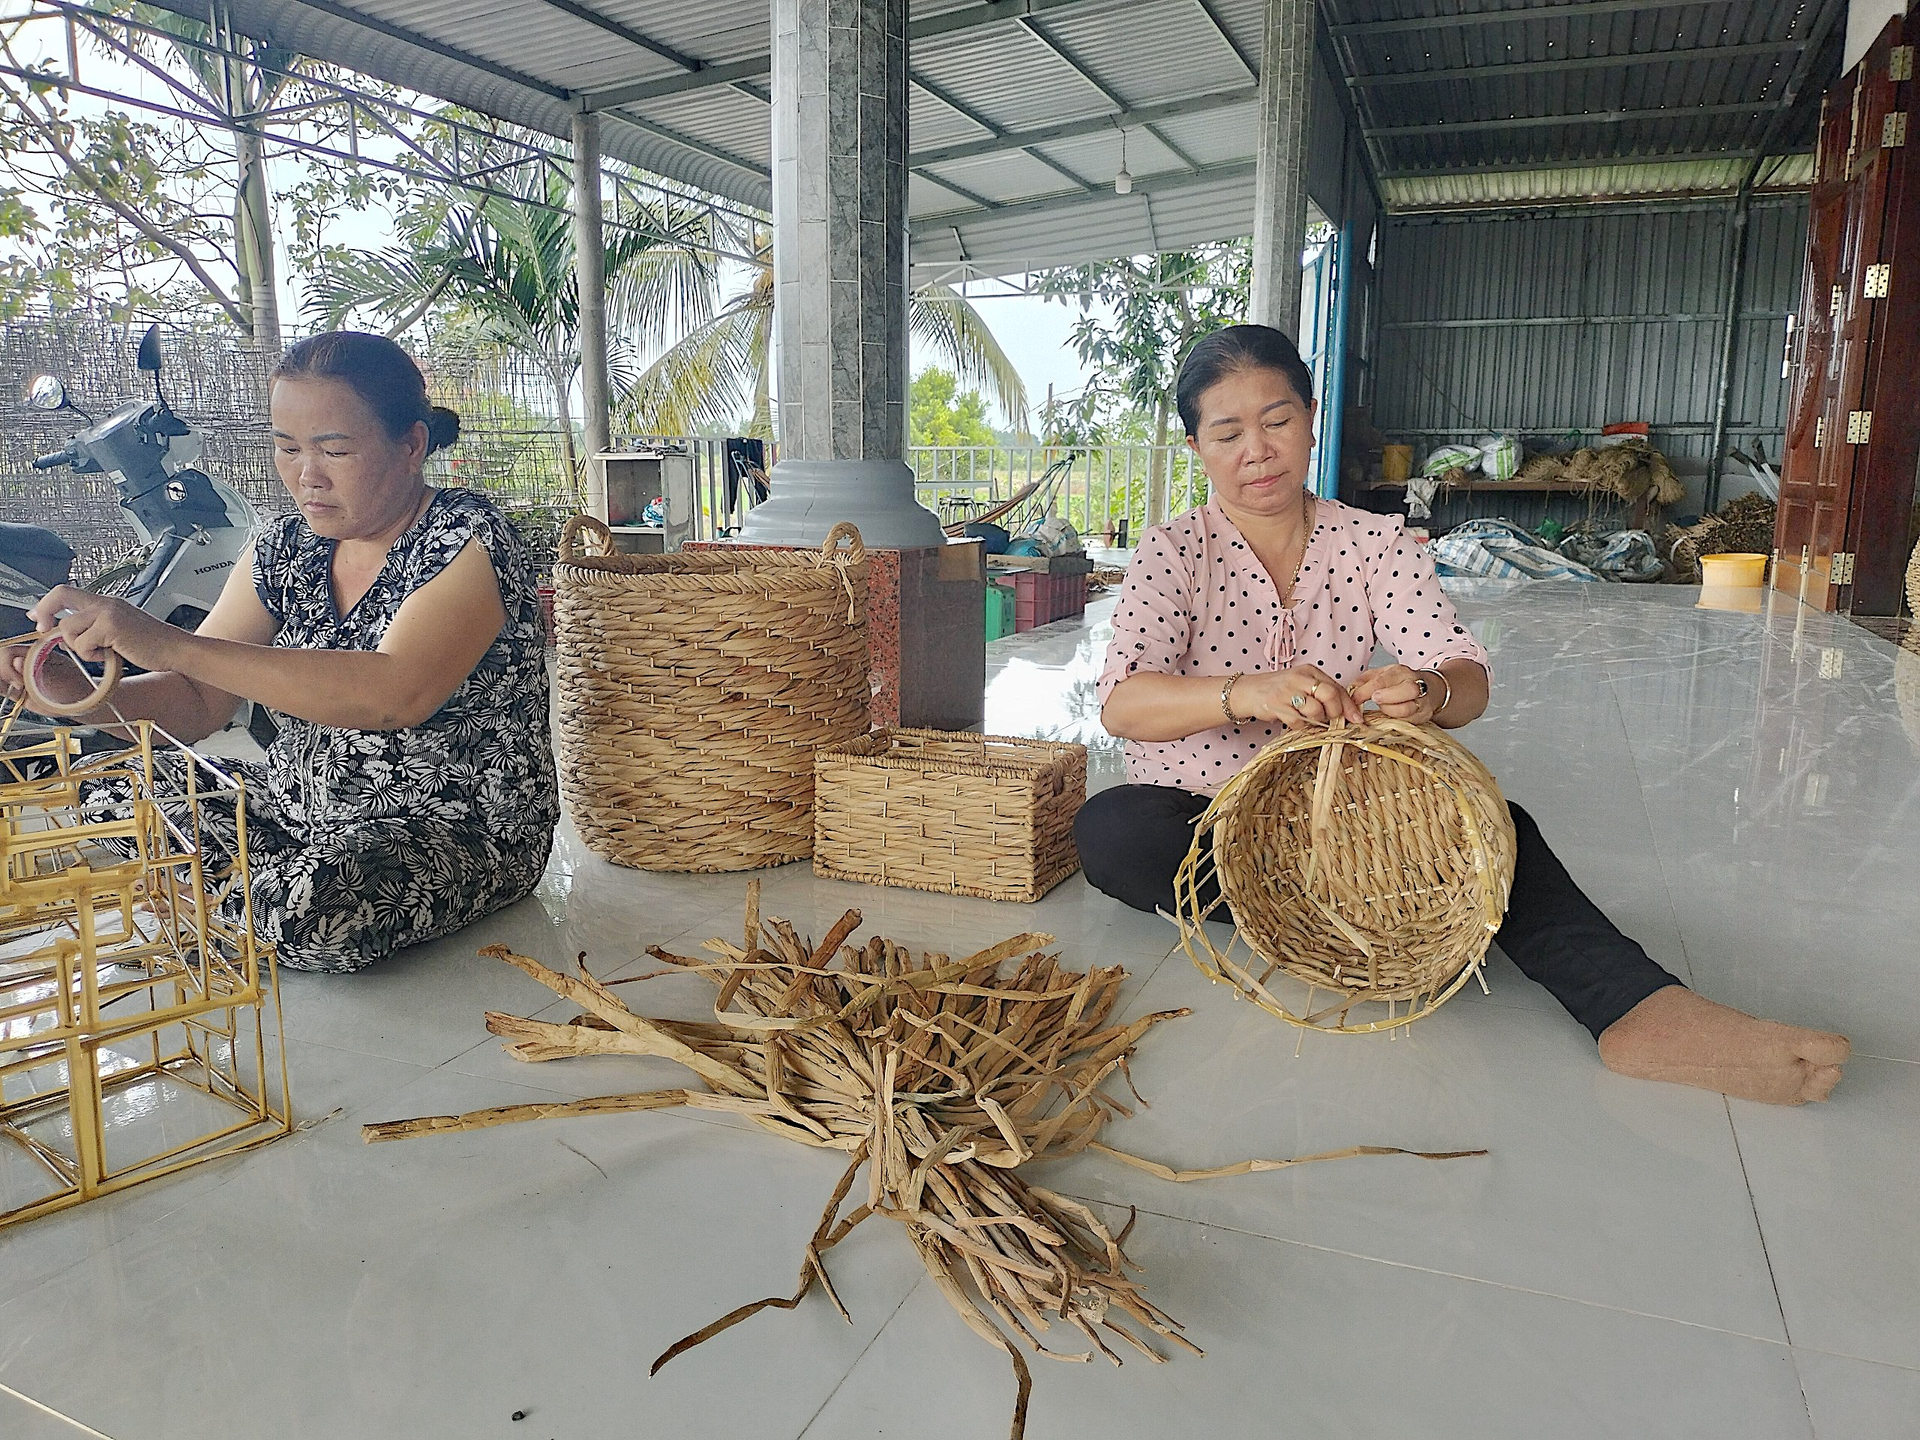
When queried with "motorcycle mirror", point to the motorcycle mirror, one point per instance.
{"points": [[150, 350], [45, 392]]}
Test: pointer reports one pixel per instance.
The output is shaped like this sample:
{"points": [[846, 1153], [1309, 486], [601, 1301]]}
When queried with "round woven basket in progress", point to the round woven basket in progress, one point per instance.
{"points": [[694, 689], [1370, 863], [1913, 583]]}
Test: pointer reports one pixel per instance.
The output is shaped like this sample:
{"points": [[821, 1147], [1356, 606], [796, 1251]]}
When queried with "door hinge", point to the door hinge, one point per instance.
{"points": [[1819, 432], [1859, 426], [1840, 568], [1900, 63], [1893, 130], [1839, 298], [1879, 282]]}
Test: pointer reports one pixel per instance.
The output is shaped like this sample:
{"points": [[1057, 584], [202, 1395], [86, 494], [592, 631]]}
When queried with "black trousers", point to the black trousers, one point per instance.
{"points": [[1132, 839]]}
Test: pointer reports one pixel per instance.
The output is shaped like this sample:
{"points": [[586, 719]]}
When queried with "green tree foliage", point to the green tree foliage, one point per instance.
{"points": [[938, 414], [158, 215], [721, 371], [1154, 307], [496, 271]]}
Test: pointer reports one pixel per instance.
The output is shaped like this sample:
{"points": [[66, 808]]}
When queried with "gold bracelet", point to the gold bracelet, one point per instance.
{"points": [[1226, 704]]}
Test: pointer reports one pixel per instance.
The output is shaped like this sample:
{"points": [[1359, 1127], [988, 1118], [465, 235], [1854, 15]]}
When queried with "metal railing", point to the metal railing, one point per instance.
{"points": [[1108, 491]]}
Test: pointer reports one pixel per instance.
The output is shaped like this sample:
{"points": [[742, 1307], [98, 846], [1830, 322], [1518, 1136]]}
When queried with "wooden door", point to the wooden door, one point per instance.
{"points": [[1850, 350], [1804, 503], [1880, 511]]}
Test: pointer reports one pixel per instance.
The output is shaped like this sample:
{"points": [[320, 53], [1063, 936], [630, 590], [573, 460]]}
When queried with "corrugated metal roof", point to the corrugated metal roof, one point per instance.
{"points": [[1512, 111], [1472, 189], [1002, 72], [1107, 40], [1541, 101], [721, 117], [1188, 211]]}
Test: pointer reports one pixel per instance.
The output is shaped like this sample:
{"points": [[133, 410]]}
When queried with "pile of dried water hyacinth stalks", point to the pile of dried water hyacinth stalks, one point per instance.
{"points": [[944, 1077], [1632, 470]]}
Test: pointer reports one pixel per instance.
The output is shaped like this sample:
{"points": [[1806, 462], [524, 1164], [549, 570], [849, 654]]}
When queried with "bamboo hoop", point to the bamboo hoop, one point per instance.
{"points": [[694, 689], [1371, 861], [944, 1078], [31, 675]]}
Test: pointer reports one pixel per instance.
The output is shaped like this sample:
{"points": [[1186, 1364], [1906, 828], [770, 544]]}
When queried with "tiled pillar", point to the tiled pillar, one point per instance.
{"points": [[1280, 165], [840, 276]]}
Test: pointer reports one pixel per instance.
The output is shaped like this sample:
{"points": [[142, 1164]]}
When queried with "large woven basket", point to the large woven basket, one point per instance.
{"points": [[694, 689], [1369, 863], [1913, 583], [952, 811]]}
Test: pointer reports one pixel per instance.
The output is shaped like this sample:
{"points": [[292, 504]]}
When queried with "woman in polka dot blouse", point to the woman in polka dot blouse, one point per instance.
{"points": [[1261, 612]]}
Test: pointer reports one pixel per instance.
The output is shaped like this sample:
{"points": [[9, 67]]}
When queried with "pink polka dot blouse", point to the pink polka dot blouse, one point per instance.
{"points": [[1196, 601]]}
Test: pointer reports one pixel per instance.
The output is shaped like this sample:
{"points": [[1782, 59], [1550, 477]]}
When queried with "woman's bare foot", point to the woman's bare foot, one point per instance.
{"points": [[1679, 1036]]}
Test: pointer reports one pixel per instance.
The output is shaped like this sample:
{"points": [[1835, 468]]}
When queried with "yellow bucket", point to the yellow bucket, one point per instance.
{"points": [[1733, 570], [1396, 462], [1741, 599]]}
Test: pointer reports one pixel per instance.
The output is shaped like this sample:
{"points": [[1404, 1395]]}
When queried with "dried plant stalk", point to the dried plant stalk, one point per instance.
{"points": [[942, 1077]]}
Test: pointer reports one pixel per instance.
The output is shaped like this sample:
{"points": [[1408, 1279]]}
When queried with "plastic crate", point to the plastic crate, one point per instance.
{"points": [[999, 612]]}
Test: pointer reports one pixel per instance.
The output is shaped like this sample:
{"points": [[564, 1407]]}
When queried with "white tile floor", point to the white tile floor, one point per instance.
{"points": [[1740, 791]]}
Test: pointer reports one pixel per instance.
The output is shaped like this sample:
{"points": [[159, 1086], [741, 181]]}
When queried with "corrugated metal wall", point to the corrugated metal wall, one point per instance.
{"points": [[1553, 324]]}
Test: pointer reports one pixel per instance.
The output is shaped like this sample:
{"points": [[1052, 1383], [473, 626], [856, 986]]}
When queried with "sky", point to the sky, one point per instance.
{"points": [[1033, 332]]}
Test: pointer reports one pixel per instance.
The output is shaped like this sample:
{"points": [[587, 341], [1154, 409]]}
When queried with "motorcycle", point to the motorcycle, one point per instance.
{"points": [[193, 529]]}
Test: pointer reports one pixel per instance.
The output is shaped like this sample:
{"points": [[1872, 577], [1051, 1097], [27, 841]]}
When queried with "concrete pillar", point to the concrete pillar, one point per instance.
{"points": [[1280, 167], [590, 274], [840, 276]]}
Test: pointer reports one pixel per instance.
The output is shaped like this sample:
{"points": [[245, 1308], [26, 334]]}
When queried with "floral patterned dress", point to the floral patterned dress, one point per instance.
{"points": [[361, 842]]}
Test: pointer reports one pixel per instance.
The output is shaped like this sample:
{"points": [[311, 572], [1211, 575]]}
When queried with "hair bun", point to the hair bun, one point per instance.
{"points": [[443, 428]]}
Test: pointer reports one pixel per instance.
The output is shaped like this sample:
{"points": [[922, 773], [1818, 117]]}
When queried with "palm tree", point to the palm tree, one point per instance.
{"points": [[506, 270], [721, 368]]}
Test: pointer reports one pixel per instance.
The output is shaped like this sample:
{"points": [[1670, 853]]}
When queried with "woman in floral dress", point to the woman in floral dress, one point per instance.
{"points": [[395, 632]]}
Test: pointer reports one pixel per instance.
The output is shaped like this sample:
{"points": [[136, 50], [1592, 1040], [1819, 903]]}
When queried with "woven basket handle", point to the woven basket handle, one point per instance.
{"points": [[845, 530], [569, 551]]}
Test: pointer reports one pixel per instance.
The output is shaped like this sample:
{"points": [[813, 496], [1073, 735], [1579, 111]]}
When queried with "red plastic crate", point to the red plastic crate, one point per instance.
{"points": [[1040, 597]]}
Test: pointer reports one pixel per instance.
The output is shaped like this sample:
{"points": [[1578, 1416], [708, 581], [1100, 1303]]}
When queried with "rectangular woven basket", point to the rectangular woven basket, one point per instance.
{"points": [[952, 811]]}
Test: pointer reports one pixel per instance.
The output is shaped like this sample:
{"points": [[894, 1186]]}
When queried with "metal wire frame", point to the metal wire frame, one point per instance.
{"points": [[118, 969], [482, 162]]}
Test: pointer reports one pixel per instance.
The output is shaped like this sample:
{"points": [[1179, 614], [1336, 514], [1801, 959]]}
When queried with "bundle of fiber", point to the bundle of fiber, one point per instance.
{"points": [[1633, 470], [1542, 467], [946, 1078]]}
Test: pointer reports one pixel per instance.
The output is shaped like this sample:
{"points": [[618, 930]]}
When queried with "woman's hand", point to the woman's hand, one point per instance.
{"points": [[91, 625], [1396, 690], [1302, 698]]}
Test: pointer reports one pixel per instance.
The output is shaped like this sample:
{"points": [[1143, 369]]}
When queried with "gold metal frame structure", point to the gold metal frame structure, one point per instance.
{"points": [[140, 1030]]}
